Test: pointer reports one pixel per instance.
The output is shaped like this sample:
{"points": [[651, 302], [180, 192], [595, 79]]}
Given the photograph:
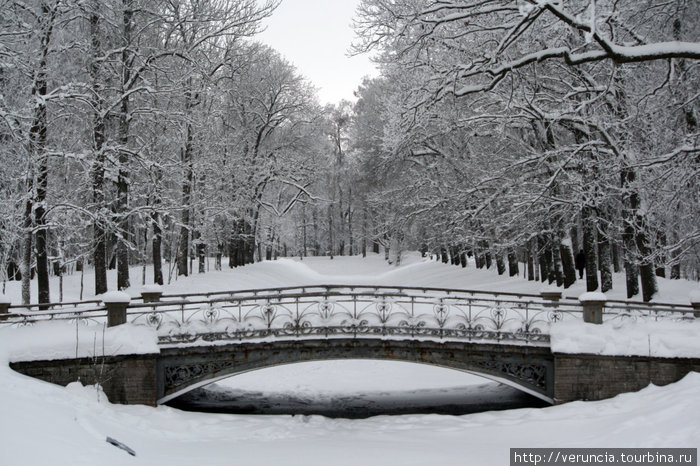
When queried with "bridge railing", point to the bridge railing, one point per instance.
{"points": [[356, 311]]}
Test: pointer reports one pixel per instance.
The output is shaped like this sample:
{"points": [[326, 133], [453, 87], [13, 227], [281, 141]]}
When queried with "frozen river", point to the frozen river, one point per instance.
{"points": [[355, 389]]}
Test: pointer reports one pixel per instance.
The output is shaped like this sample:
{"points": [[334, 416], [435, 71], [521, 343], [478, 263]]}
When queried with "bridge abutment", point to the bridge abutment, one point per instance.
{"points": [[127, 379], [595, 377]]}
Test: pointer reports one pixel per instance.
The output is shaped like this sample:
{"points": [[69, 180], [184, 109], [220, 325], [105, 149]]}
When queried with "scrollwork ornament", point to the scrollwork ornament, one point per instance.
{"points": [[441, 312], [325, 309], [211, 315], [154, 320]]}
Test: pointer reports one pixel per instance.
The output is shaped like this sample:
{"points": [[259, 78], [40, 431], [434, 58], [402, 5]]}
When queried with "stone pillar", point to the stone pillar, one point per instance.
{"points": [[5, 303], [116, 303], [593, 303], [151, 293], [695, 302]]}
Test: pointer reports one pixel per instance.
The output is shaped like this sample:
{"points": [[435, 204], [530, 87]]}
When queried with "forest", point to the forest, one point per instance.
{"points": [[516, 133]]}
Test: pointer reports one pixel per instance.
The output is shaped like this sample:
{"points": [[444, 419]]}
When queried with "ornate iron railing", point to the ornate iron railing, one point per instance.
{"points": [[331, 311]]}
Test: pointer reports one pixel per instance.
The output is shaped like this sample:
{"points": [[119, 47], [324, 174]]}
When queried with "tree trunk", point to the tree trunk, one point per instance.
{"points": [[341, 224], [186, 196], [331, 246], [557, 268], [589, 247], [616, 256], [487, 256], [631, 202], [251, 235], [231, 248], [646, 267], [456, 260], [37, 143], [123, 172], [500, 263], [604, 257], [99, 256], [675, 264], [542, 256], [575, 243], [201, 257], [351, 243], [42, 254], [304, 252], [513, 266], [478, 257], [364, 231], [157, 242], [568, 266], [316, 245], [27, 247], [661, 263]]}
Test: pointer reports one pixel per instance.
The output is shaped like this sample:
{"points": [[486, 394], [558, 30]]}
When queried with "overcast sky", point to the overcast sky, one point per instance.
{"points": [[315, 36]]}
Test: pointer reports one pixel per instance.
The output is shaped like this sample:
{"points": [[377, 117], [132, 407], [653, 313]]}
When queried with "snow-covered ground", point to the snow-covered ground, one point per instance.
{"points": [[43, 424], [372, 270], [46, 424]]}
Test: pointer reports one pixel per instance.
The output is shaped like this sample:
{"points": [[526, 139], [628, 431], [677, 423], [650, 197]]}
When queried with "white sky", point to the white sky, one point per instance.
{"points": [[315, 36]]}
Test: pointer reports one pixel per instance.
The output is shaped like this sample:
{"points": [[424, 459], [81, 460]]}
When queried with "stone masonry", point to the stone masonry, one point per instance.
{"points": [[128, 379]]}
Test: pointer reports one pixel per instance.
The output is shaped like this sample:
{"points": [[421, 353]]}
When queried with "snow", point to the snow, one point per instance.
{"points": [[64, 339], [628, 337], [5, 299], [694, 297], [594, 296], [115, 297], [47, 424], [151, 289], [553, 288]]}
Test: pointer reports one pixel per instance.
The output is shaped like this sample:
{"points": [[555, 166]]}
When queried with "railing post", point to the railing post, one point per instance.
{"points": [[551, 295], [151, 293], [593, 303], [116, 303], [5, 303], [695, 302]]}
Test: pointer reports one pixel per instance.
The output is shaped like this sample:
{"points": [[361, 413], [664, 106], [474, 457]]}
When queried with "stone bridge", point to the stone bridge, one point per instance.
{"points": [[204, 338]]}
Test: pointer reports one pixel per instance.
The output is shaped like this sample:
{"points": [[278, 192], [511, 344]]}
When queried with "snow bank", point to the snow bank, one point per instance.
{"points": [[61, 340], [627, 337], [48, 424]]}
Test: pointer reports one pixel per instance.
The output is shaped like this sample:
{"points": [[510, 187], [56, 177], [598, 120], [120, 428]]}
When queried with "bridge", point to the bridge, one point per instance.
{"points": [[207, 337]]}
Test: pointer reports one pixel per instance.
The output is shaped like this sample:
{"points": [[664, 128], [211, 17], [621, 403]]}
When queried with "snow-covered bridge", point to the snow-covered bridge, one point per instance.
{"points": [[504, 336]]}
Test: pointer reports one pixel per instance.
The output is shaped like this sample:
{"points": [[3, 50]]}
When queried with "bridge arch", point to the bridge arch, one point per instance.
{"points": [[526, 368]]}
